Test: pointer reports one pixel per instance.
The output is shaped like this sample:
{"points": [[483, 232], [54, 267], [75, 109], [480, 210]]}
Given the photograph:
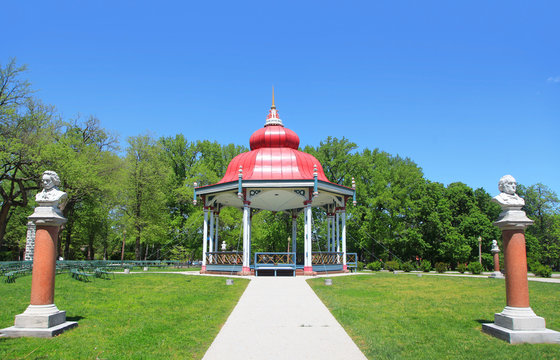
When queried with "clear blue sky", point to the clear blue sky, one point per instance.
{"points": [[469, 90]]}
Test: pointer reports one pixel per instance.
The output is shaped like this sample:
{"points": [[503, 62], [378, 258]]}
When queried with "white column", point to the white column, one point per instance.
{"points": [[343, 218], [246, 237], [328, 230], [337, 231], [250, 228], [205, 239], [294, 232], [333, 232], [307, 265], [211, 238], [216, 241]]}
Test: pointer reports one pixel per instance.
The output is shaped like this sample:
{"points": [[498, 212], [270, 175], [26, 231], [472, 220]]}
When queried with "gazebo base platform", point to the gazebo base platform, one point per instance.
{"points": [[299, 272], [223, 272]]}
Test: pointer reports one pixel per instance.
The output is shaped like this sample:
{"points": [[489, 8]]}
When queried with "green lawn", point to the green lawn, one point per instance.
{"points": [[432, 317], [138, 316], [162, 269]]}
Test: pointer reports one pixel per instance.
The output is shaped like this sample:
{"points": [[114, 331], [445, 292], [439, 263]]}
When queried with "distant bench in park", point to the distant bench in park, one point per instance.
{"points": [[80, 275]]}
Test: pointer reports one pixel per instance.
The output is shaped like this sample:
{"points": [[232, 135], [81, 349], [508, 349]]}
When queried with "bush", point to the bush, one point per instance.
{"points": [[392, 265], [374, 266], [543, 271], [426, 266], [361, 266], [408, 266], [533, 264], [475, 267], [488, 261], [462, 268], [441, 267]]}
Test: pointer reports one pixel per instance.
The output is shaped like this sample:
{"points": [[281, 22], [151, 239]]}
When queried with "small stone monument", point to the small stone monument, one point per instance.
{"points": [[517, 323], [30, 241], [42, 318], [496, 252]]}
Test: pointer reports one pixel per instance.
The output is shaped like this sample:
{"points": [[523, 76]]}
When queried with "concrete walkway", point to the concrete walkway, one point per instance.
{"points": [[281, 318]]}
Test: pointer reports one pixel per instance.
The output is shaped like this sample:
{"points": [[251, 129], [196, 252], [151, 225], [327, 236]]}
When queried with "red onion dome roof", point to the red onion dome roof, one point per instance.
{"points": [[274, 155], [276, 136]]}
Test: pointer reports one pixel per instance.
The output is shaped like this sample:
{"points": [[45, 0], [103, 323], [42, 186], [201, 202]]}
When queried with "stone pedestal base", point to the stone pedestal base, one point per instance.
{"points": [[521, 325], [245, 271], [39, 321], [496, 275]]}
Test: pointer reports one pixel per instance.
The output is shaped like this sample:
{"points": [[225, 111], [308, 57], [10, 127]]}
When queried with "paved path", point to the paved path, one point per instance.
{"points": [[281, 318]]}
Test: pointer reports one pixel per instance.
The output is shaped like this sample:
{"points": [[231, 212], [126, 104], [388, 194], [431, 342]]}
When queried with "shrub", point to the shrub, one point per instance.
{"points": [[408, 266], [488, 261], [461, 268], [533, 264], [475, 267], [360, 266], [441, 267], [374, 266], [426, 265], [392, 265], [543, 271]]}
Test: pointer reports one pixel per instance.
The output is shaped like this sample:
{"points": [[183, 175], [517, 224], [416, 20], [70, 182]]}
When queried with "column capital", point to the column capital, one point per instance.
{"points": [[47, 215], [513, 219]]}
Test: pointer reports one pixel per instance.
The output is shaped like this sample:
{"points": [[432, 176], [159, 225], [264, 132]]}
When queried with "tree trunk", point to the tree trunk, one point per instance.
{"points": [[4, 211], [137, 250], [68, 214], [91, 250]]}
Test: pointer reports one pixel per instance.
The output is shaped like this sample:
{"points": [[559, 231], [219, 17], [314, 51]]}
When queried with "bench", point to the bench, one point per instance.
{"points": [[80, 275], [102, 274], [10, 277]]}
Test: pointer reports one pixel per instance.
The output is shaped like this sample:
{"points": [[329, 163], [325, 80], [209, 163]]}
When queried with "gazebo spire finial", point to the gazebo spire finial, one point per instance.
{"points": [[273, 118]]}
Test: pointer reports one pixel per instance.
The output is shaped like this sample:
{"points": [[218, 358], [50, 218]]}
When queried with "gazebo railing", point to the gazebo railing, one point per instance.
{"points": [[224, 258], [352, 260], [326, 258], [275, 258], [276, 261]]}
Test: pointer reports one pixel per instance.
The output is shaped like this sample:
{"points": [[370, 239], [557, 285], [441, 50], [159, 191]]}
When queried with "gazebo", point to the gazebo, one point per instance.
{"points": [[276, 176]]}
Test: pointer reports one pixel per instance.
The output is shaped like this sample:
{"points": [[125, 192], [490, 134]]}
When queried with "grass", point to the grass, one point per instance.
{"points": [[162, 269], [139, 316], [432, 317]]}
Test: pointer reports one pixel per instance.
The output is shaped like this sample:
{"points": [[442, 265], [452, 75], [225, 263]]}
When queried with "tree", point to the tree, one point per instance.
{"points": [[542, 206], [26, 127], [337, 158], [147, 183], [84, 158]]}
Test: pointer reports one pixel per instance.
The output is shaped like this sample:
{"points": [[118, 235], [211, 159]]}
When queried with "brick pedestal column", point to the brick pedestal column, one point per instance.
{"points": [[44, 266], [42, 318], [517, 323], [496, 251], [496, 261], [515, 256]]}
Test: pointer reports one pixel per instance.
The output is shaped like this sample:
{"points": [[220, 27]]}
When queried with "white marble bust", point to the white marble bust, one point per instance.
{"points": [[507, 197], [51, 196]]}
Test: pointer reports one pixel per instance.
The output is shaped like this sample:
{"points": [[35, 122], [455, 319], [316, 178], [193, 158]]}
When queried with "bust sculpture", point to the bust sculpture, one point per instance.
{"points": [[50, 201], [50, 182], [495, 247], [507, 197], [511, 216]]}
